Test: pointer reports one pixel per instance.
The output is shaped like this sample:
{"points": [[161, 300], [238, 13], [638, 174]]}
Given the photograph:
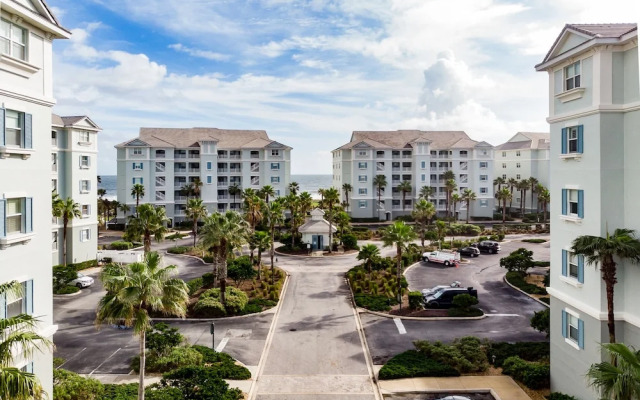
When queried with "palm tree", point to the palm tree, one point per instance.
{"points": [[305, 203], [450, 186], [426, 192], [253, 213], [122, 207], [66, 209], [342, 222], [187, 190], [422, 214], [292, 202], [523, 186], [400, 235], [136, 289], [274, 216], [368, 253], [195, 211], [441, 231], [499, 181], [347, 188], [19, 340], [150, 221], [448, 174], [137, 191], [455, 199], [513, 183], [262, 241], [380, 182], [267, 192], [294, 188], [235, 190], [468, 196], [196, 186], [544, 197], [331, 198], [321, 192], [404, 187], [622, 245], [533, 182], [619, 379], [503, 196]]}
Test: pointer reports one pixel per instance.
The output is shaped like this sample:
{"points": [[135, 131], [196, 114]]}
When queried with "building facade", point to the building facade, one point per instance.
{"points": [[419, 157], [594, 116], [165, 160], [74, 153], [523, 156], [27, 29]]}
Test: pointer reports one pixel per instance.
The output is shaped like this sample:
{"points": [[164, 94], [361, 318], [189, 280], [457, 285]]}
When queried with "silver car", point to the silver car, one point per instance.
{"points": [[436, 289], [82, 281]]}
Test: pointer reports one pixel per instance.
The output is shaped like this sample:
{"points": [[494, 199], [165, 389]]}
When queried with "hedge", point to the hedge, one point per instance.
{"points": [[534, 375], [121, 245], [195, 285], [223, 363], [411, 364], [560, 396], [374, 302], [517, 280], [178, 357], [529, 351], [81, 265], [534, 240], [69, 289], [178, 249]]}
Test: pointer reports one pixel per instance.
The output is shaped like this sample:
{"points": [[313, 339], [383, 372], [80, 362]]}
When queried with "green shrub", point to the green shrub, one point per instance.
{"points": [[121, 245], [162, 337], [257, 305], [195, 285], [529, 351], [58, 361], [67, 290], [178, 249], [155, 392], [534, 240], [68, 385], [414, 364], [545, 300], [209, 307], [200, 383], [464, 301], [208, 279], [560, 396], [235, 298], [240, 269], [415, 300], [62, 275], [373, 302], [207, 259], [223, 363], [350, 242], [517, 280], [474, 350], [534, 375], [541, 321], [518, 261], [542, 263], [177, 357], [127, 391], [175, 236], [459, 355]]}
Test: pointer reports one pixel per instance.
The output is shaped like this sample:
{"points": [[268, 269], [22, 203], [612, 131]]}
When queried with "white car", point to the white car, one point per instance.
{"points": [[436, 289], [82, 281], [443, 257]]}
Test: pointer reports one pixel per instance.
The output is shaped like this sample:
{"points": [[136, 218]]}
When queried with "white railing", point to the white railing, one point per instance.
{"points": [[236, 170], [194, 170], [159, 196], [223, 184], [223, 155], [223, 197], [178, 155]]}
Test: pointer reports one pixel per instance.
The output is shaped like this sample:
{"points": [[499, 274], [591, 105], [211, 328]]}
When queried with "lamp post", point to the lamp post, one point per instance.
{"points": [[212, 330]]}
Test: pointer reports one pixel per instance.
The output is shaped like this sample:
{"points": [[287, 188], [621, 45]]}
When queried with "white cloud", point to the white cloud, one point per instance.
{"points": [[209, 55]]}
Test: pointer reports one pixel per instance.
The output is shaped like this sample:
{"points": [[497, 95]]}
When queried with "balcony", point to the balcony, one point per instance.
{"points": [[441, 169], [464, 155], [160, 181], [380, 155], [406, 156], [255, 168], [235, 170], [179, 185], [180, 198], [223, 156], [406, 169], [223, 197], [223, 184], [396, 169], [159, 196], [196, 170], [464, 180], [255, 155], [160, 168], [235, 156], [223, 170], [194, 155], [464, 166], [160, 155], [179, 170], [179, 155]]}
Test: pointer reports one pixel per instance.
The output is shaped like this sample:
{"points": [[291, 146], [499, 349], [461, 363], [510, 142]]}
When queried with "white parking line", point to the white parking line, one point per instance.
{"points": [[399, 325], [107, 359], [69, 359], [222, 343]]}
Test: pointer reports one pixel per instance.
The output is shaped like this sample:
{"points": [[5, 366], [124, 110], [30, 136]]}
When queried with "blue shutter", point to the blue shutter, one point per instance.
{"points": [[564, 324], [2, 114], [208, 164], [581, 333], [564, 201], [133, 181], [28, 215], [581, 268], [580, 141], [133, 166], [141, 166], [29, 297], [564, 140], [581, 203], [3, 205], [564, 263], [142, 181], [27, 128]]}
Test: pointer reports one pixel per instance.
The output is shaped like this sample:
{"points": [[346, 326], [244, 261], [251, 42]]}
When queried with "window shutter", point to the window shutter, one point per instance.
{"points": [[564, 201], [564, 140], [3, 205], [80, 161], [581, 203], [142, 181], [141, 166], [133, 166], [581, 268], [28, 215], [580, 136], [2, 114], [27, 129], [581, 333], [133, 181], [564, 324], [29, 297], [564, 262], [209, 165]]}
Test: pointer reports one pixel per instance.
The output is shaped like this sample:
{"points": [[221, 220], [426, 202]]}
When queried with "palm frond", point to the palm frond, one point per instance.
{"points": [[19, 385]]}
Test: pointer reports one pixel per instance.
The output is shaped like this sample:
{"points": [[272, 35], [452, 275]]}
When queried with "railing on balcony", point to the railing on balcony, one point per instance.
{"points": [[255, 168], [223, 169], [463, 166], [396, 169], [194, 155], [159, 196], [160, 167], [379, 155], [179, 198], [257, 155], [223, 183], [225, 156], [194, 170], [178, 155], [160, 155], [160, 181], [179, 170], [406, 169], [236, 170], [235, 156], [443, 168], [223, 197], [406, 156]]}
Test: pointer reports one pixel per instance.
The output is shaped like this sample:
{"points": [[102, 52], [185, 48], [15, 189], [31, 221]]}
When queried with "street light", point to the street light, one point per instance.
{"points": [[212, 330]]}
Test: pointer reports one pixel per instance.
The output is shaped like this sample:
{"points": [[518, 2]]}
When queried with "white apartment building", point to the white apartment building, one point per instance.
{"points": [[523, 156], [74, 160], [419, 157], [594, 116], [164, 160], [27, 29]]}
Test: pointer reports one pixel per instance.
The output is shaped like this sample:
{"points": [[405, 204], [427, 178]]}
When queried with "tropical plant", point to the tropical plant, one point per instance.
{"points": [[426, 192], [343, 221], [468, 196], [294, 188], [513, 183], [120, 206], [620, 378], [274, 216], [400, 235], [499, 181], [187, 190], [455, 200], [450, 186], [253, 213], [441, 231], [369, 253], [267, 192], [195, 211], [533, 182], [137, 192], [503, 196], [262, 241], [136, 289], [346, 188], [523, 186], [544, 198], [66, 209], [196, 186], [292, 202], [305, 203], [448, 174], [380, 182], [331, 198], [622, 245], [422, 213], [150, 221], [404, 187]]}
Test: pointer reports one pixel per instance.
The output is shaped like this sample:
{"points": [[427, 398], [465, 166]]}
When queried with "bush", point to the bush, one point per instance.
{"points": [[534, 240], [68, 385], [121, 245], [464, 229], [62, 275], [464, 355], [175, 236], [208, 279], [534, 375], [374, 302], [545, 300], [195, 285], [240, 269], [178, 249], [415, 300], [413, 363], [541, 321], [350, 242], [530, 351], [155, 392], [223, 363], [462, 312], [560, 396], [209, 307], [542, 263], [200, 383], [518, 261], [464, 301], [257, 305], [58, 361], [127, 391], [67, 290], [86, 264], [178, 357], [162, 337], [517, 280], [405, 218], [236, 299]]}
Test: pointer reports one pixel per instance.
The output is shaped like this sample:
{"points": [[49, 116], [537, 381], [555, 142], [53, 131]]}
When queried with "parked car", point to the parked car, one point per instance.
{"points": [[443, 257], [444, 298], [488, 246], [455, 398], [469, 251], [435, 289], [82, 281]]}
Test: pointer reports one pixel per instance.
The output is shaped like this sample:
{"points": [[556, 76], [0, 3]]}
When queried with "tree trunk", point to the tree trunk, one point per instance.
{"points": [[137, 204], [399, 274], [272, 251], [143, 358], [65, 222], [504, 211], [468, 204], [403, 197], [330, 233], [195, 231], [147, 242], [609, 277]]}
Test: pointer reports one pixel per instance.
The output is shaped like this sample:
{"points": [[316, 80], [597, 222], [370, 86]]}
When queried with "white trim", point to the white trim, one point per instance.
{"points": [[7, 151], [570, 218], [22, 238], [629, 107], [13, 195], [572, 187], [570, 156], [571, 281], [571, 343], [570, 95]]}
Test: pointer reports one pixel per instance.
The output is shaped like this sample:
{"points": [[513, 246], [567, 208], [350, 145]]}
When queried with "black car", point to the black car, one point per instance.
{"points": [[444, 298], [489, 246], [469, 251]]}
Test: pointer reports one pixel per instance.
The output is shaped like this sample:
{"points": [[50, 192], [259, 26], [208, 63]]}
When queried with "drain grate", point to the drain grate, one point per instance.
{"points": [[292, 330]]}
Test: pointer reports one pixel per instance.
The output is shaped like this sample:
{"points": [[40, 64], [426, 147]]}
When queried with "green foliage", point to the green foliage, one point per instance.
{"points": [[258, 305], [209, 307], [162, 337], [405, 218], [534, 375], [530, 351], [121, 245], [240, 269], [467, 354], [350, 241], [462, 312], [195, 285], [373, 302], [414, 364], [68, 385], [542, 263], [58, 361], [236, 299], [62, 275], [178, 249], [534, 240], [208, 259], [545, 300], [464, 301], [463, 229], [67, 290], [560, 396], [518, 261], [176, 358], [200, 383], [208, 279], [541, 321], [159, 393], [517, 280], [127, 391], [223, 363], [175, 236], [415, 300]]}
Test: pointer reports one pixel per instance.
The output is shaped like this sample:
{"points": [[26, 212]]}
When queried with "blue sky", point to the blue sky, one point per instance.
{"points": [[311, 72]]}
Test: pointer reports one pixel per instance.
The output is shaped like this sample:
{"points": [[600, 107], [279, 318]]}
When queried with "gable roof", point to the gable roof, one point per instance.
{"points": [[73, 121], [535, 141], [37, 13], [401, 139]]}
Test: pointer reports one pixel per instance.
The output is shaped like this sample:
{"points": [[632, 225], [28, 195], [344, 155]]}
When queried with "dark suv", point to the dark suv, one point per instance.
{"points": [[489, 246], [444, 298]]}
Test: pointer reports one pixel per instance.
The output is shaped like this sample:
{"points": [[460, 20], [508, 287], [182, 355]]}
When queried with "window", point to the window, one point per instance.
{"points": [[54, 138], [54, 185], [463, 153], [572, 140], [573, 203], [140, 181], [573, 265], [362, 191], [362, 153], [423, 177], [362, 165], [484, 164], [18, 304], [484, 190], [572, 76], [85, 162], [209, 165], [518, 153], [86, 210], [275, 166], [362, 178], [423, 164], [484, 178], [85, 235], [17, 129], [504, 176], [137, 166], [275, 179], [362, 204], [517, 165], [54, 241], [84, 137], [484, 203], [504, 154], [85, 186], [573, 329], [209, 180], [137, 151], [275, 152], [13, 40], [28, 367], [518, 176], [14, 216], [277, 192], [504, 165]]}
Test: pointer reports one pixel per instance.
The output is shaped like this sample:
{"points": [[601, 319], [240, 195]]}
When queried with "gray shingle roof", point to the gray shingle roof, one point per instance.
{"points": [[57, 120], [406, 138], [537, 141]]}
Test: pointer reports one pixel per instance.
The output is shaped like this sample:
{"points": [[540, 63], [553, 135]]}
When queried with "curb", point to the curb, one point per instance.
{"points": [[379, 314], [504, 278], [166, 252], [299, 256], [62, 296]]}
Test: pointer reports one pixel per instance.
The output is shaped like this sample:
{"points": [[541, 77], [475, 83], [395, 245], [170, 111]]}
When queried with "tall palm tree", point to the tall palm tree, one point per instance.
{"points": [[294, 188], [513, 183], [404, 187], [620, 378], [196, 187], [150, 221], [321, 192], [262, 241], [622, 245], [368, 253], [539, 189], [19, 340], [267, 192], [187, 190], [400, 235], [137, 192], [331, 198], [253, 213], [544, 197], [66, 209], [305, 203], [380, 182], [347, 188], [136, 289], [235, 190], [504, 195], [426, 192], [533, 182], [120, 206], [441, 231], [422, 214], [499, 181], [292, 203], [468, 196], [448, 174], [274, 216], [195, 211], [342, 220], [450, 186], [455, 199], [523, 186], [223, 233]]}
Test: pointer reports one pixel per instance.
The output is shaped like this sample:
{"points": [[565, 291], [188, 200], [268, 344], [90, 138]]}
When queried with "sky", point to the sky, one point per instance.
{"points": [[310, 72]]}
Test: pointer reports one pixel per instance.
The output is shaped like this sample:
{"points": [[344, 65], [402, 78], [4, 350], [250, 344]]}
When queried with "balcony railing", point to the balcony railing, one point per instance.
{"points": [[396, 169], [406, 156], [194, 155], [255, 155], [179, 155], [223, 169], [223, 197], [406, 169], [179, 198], [160, 196], [235, 156], [378, 155], [221, 184], [194, 170], [255, 169], [179, 170], [160, 155], [225, 156], [236, 170]]}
